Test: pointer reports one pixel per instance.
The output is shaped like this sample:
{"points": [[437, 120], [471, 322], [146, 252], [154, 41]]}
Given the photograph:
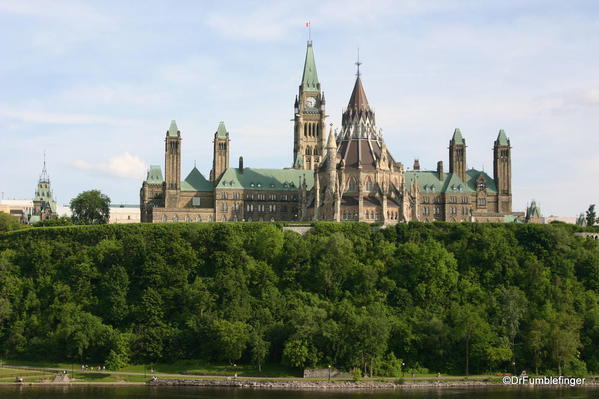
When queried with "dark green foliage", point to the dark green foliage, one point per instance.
{"points": [[591, 216], [61, 221], [9, 222], [461, 298], [90, 207]]}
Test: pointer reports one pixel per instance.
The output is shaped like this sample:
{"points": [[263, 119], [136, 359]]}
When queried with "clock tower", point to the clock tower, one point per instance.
{"points": [[309, 118]]}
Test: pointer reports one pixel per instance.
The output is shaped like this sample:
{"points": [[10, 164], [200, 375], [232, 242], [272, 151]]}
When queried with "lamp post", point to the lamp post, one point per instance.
{"points": [[329, 372], [514, 364], [403, 369]]}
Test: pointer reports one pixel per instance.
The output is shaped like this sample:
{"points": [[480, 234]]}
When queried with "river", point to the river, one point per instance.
{"points": [[143, 392]]}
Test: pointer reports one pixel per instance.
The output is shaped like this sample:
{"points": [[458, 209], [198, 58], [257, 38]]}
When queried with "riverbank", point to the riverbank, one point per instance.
{"points": [[300, 385]]}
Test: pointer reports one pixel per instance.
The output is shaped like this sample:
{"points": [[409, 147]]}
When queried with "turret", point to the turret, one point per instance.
{"points": [[220, 159], [172, 165], [502, 171], [457, 155]]}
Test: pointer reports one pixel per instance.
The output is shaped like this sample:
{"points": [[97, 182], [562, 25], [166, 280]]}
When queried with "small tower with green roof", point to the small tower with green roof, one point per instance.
{"points": [[457, 155], [309, 117], [220, 157], [502, 171], [44, 205]]}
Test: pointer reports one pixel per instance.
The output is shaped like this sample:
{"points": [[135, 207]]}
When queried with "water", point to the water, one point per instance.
{"points": [[143, 392]]}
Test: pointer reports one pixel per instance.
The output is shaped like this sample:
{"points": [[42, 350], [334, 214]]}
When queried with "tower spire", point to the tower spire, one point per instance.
{"points": [[44, 175], [358, 63], [310, 77]]}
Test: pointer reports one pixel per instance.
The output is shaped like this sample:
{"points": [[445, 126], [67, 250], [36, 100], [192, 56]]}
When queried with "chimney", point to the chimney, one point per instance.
{"points": [[416, 164], [241, 164], [440, 172]]}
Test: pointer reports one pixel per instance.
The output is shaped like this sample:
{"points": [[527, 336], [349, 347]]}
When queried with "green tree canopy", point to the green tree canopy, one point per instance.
{"points": [[90, 207]]}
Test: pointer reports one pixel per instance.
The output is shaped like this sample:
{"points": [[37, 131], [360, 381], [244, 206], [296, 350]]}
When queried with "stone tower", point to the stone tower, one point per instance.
{"points": [[457, 155], [309, 118], [172, 166], [502, 172], [44, 205], [220, 157]]}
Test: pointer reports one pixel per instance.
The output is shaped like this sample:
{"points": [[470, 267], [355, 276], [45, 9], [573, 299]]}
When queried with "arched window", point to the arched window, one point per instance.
{"points": [[163, 218], [308, 150], [305, 130], [368, 184], [175, 219]]}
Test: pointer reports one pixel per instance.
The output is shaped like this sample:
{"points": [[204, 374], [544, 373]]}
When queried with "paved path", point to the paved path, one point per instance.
{"points": [[204, 376]]}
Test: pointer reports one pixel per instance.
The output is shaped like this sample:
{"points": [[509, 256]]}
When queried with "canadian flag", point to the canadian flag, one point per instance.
{"points": [[307, 24]]}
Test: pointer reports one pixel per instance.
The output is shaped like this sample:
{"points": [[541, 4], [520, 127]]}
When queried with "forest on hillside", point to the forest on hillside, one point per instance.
{"points": [[451, 298]]}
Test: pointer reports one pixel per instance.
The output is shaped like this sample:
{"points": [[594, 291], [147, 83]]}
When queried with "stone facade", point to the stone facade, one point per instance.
{"points": [[348, 176]]}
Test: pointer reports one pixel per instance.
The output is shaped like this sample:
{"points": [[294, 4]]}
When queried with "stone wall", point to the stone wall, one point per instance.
{"points": [[324, 373]]}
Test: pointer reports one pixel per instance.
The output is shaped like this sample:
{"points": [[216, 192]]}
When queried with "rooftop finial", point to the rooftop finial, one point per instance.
{"points": [[309, 31], [358, 63]]}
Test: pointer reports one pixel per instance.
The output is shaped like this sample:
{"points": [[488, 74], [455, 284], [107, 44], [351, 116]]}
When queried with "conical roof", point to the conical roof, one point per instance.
{"points": [[222, 130], [173, 130], [310, 77], [457, 137], [502, 138], [358, 98]]}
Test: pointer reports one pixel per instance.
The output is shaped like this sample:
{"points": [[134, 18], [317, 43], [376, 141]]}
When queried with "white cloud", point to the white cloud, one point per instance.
{"points": [[124, 166]]}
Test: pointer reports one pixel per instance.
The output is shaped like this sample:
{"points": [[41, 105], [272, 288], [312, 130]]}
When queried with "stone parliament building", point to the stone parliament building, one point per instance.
{"points": [[345, 175]]}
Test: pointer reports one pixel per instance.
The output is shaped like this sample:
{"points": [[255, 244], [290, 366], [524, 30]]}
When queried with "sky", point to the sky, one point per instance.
{"points": [[95, 85]]}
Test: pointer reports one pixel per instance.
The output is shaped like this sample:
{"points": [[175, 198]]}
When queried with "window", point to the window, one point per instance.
{"points": [[236, 196], [482, 186], [223, 195], [195, 201], [236, 206], [224, 207], [482, 202], [426, 200], [163, 218], [187, 220], [368, 185], [175, 219]]}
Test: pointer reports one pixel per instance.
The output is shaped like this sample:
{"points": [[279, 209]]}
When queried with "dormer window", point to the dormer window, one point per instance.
{"points": [[251, 184], [481, 186]]}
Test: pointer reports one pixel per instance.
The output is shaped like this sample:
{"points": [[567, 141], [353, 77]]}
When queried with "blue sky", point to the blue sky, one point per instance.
{"points": [[96, 84]]}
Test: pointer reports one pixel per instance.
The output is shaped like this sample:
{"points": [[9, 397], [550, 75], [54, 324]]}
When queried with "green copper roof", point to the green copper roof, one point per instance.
{"points": [[502, 138], [429, 181], [173, 130], [222, 130], [473, 175], [195, 181], [310, 77], [154, 175], [265, 179], [457, 137]]}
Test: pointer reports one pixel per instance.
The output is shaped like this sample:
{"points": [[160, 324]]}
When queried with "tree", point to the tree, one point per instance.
{"points": [[259, 348], [8, 222], [591, 215], [512, 305], [470, 328], [232, 338], [90, 207]]}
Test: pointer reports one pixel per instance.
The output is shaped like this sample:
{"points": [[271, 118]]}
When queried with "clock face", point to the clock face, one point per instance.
{"points": [[310, 102]]}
